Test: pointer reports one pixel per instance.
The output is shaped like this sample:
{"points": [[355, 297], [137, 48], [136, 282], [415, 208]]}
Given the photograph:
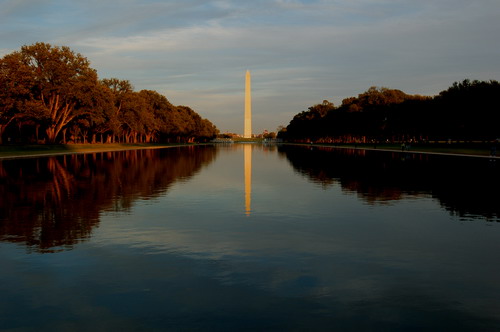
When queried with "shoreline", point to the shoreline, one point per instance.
{"points": [[35, 151], [412, 151]]}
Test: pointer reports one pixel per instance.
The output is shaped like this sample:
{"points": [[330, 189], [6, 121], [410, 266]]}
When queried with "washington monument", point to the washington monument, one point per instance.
{"points": [[248, 107]]}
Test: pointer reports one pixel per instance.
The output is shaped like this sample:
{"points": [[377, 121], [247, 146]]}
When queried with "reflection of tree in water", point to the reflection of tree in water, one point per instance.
{"points": [[52, 203], [464, 186]]}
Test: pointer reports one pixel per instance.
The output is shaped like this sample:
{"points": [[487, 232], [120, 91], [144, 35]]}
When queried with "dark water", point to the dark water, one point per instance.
{"points": [[250, 237]]}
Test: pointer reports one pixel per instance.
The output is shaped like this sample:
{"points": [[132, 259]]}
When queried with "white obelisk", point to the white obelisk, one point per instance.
{"points": [[247, 133]]}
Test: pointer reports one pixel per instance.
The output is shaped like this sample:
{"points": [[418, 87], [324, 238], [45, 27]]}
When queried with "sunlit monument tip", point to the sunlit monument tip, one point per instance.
{"points": [[247, 133]]}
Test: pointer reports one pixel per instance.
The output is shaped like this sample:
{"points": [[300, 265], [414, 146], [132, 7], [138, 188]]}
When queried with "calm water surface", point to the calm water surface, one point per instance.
{"points": [[250, 237]]}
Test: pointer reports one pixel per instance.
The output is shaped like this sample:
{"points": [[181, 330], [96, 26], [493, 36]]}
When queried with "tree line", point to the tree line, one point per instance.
{"points": [[50, 94], [468, 110]]}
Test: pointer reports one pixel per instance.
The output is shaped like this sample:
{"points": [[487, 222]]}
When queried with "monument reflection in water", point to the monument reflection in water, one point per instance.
{"points": [[330, 239], [247, 150]]}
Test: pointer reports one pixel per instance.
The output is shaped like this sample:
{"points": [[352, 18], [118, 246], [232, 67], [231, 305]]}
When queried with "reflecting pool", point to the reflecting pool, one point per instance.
{"points": [[250, 237]]}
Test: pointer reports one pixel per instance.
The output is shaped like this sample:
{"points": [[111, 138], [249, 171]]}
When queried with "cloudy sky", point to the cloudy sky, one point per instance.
{"points": [[299, 52]]}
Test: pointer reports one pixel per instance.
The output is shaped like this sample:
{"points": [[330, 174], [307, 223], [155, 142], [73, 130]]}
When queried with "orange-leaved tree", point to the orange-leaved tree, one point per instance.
{"points": [[53, 83]]}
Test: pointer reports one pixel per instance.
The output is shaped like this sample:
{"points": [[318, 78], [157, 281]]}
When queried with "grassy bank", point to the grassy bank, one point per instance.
{"points": [[19, 151], [248, 140]]}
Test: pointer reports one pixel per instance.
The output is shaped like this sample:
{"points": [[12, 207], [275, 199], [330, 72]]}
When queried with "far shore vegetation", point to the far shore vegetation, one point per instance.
{"points": [[466, 115]]}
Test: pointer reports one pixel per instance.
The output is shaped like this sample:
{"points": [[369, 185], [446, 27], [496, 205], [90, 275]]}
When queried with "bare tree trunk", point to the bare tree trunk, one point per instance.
{"points": [[60, 116], [36, 132]]}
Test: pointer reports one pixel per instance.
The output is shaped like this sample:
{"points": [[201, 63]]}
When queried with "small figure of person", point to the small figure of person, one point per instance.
{"points": [[403, 146]]}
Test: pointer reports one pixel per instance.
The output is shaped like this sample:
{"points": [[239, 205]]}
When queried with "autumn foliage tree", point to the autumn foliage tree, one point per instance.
{"points": [[15, 90], [58, 81], [54, 89]]}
